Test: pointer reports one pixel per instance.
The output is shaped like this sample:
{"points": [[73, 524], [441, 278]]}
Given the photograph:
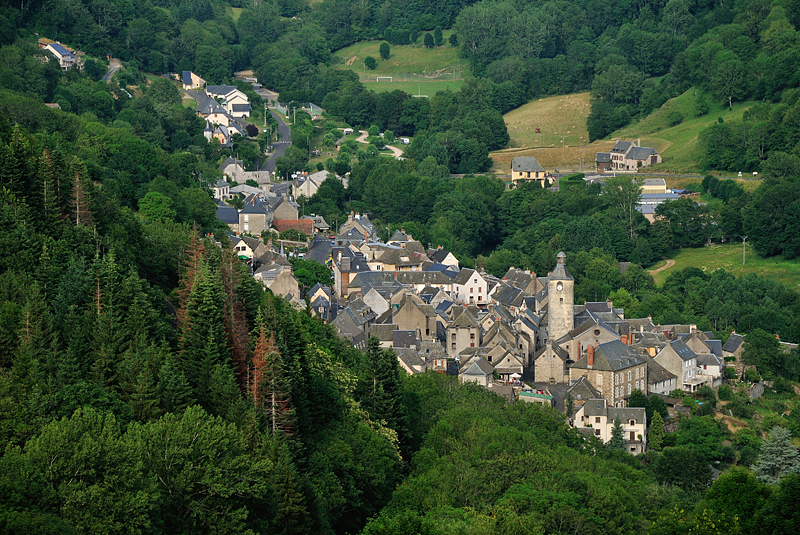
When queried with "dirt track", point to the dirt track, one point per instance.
{"points": [[669, 264]]}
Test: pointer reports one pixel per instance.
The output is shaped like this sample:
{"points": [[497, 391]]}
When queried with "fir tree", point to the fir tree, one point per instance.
{"points": [[383, 395], [655, 436], [291, 517], [81, 198], [173, 391], [235, 322], [778, 457], [195, 255], [617, 441], [49, 209], [268, 385]]}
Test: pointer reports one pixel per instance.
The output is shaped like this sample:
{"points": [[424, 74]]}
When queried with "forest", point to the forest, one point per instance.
{"points": [[150, 385]]}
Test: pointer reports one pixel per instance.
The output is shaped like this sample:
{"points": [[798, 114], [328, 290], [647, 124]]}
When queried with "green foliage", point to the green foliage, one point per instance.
{"points": [[384, 51], [617, 441], [684, 468], [655, 436], [370, 62], [778, 457]]}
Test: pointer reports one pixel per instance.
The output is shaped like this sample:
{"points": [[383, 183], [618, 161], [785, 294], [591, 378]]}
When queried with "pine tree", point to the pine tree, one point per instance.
{"points": [[173, 390], [383, 395], [49, 210], [268, 385], [617, 441], [81, 199], [235, 322], [16, 173], [655, 436], [778, 457], [195, 256], [291, 517]]}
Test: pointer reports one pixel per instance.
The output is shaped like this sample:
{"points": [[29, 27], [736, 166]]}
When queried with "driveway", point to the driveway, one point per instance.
{"points": [[397, 153], [284, 137], [113, 66]]}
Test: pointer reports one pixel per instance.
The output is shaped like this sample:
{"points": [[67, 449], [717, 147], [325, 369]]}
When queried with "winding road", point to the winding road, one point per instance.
{"points": [[285, 136], [113, 66], [669, 264], [397, 153]]}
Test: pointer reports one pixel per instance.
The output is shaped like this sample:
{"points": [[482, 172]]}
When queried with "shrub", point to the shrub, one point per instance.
{"points": [[725, 393], [674, 118]]}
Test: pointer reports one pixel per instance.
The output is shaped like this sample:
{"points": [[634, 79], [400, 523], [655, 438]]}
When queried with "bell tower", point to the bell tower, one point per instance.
{"points": [[560, 300]]}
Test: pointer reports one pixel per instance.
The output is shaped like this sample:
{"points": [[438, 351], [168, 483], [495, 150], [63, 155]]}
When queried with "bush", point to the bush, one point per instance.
{"points": [[370, 62], [741, 407], [730, 373], [725, 393], [674, 118]]}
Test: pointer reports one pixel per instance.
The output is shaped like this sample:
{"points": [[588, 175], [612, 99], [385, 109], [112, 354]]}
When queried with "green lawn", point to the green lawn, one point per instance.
{"points": [[729, 257], [419, 87], [407, 63]]}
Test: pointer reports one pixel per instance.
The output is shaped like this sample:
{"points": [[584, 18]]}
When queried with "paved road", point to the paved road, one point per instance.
{"points": [[113, 65], [397, 153], [285, 136]]}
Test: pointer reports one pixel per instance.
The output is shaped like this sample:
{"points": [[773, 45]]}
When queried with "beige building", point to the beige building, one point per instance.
{"points": [[462, 332], [470, 288], [613, 369], [527, 169], [479, 371], [560, 291], [597, 418], [678, 359]]}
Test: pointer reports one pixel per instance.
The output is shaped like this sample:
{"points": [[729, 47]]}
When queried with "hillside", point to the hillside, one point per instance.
{"points": [[414, 68], [565, 115]]}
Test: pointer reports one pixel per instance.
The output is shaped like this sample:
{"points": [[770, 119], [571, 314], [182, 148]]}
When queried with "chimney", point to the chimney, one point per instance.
{"points": [[590, 356], [639, 142], [577, 350], [624, 339]]}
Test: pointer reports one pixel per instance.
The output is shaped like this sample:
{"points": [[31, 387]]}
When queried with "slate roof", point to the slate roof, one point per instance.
{"points": [[383, 332], [603, 157], [733, 343], [228, 215], [187, 77], [404, 338], [254, 207], [627, 413], [479, 367], [707, 359], [715, 346], [621, 146], [656, 373], [241, 107], [641, 153], [464, 320], [561, 272], [526, 164], [428, 278], [612, 356], [464, 276], [682, 350], [438, 255], [582, 390]]}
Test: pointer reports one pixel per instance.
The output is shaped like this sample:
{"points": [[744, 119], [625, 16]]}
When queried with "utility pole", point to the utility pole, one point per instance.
{"points": [[563, 148], [265, 114], [744, 240], [294, 114]]}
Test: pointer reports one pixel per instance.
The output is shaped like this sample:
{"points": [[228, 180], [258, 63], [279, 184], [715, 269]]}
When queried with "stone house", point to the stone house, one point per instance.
{"points": [[191, 80], [462, 332], [614, 370], [626, 156], [678, 359], [479, 371], [412, 314], [441, 256], [596, 415], [659, 379], [732, 351], [254, 218]]}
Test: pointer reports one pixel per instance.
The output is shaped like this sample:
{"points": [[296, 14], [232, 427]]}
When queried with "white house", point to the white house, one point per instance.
{"points": [[66, 59], [470, 288], [597, 418]]}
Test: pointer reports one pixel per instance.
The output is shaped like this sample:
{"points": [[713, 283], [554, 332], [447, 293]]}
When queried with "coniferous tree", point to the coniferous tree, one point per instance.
{"points": [[655, 436], [778, 457], [235, 321], [49, 209], [617, 441], [173, 390], [195, 255], [383, 391], [268, 385], [16, 173], [81, 198], [292, 514]]}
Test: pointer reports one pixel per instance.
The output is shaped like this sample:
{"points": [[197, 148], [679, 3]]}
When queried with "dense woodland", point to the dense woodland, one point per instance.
{"points": [[149, 385]]}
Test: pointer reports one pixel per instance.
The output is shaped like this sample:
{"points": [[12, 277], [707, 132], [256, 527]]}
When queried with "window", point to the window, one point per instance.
{"points": [[472, 336], [472, 344], [471, 290], [479, 290], [597, 419], [453, 337], [561, 300], [597, 432], [629, 389], [632, 422], [246, 218], [633, 436], [453, 345], [629, 377]]}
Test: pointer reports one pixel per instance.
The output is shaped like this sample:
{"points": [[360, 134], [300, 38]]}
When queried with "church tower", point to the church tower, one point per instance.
{"points": [[560, 300]]}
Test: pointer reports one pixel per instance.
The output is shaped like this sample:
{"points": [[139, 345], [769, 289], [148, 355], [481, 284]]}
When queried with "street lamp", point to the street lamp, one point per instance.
{"points": [[581, 163]]}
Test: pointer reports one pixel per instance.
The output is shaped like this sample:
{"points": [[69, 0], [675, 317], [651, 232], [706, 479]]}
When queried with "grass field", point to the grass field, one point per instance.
{"points": [[566, 116], [419, 87], [408, 63], [729, 257]]}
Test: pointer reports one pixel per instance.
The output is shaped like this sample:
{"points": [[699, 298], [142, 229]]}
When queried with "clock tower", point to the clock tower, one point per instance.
{"points": [[560, 300]]}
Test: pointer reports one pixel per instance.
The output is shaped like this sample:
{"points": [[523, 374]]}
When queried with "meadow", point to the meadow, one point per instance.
{"points": [[728, 256]]}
